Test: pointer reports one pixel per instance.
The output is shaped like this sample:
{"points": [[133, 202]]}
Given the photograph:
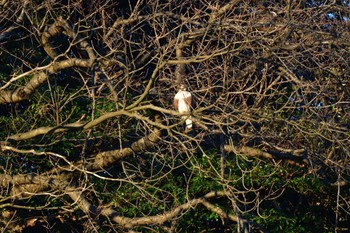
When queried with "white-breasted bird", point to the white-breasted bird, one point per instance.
{"points": [[182, 103]]}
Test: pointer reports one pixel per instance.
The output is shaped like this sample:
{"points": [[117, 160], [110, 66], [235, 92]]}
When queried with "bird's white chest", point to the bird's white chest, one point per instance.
{"points": [[183, 106], [184, 99], [182, 95]]}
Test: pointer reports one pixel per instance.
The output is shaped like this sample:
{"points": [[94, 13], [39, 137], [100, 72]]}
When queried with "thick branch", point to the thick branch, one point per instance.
{"points": [[106, 159], [61, 26], [254, 152], [126, 222], [39, 78], [4, 35], [88, 125], [103, 160]]}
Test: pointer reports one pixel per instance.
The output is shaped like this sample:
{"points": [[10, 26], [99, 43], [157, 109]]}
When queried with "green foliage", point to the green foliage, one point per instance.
{"points": [[277, 221], [307, 184]]}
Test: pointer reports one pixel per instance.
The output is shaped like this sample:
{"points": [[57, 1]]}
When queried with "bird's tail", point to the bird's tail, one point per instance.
{"points": [[189, 123]]}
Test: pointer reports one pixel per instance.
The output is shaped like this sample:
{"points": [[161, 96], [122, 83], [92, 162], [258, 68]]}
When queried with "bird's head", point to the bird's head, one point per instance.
{"points": [[182, 87]]}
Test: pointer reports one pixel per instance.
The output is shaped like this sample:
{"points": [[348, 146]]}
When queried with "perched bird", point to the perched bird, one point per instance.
{"points": [[182, 103]]}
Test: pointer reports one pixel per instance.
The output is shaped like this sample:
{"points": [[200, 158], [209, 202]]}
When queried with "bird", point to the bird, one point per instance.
{"points": [[182, 103]]}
